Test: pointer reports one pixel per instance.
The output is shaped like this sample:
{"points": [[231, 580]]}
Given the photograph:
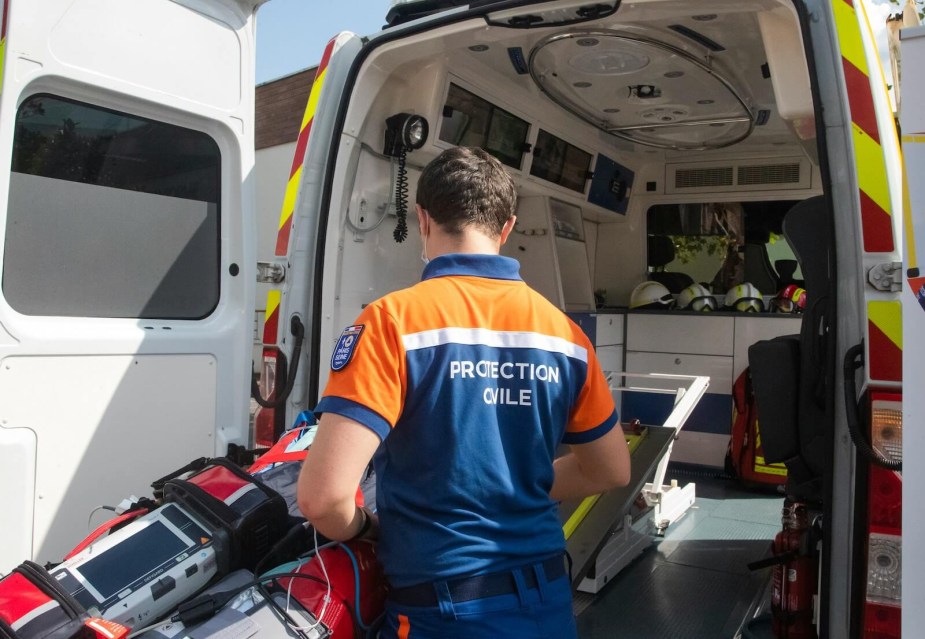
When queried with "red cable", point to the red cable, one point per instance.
{"points": [[96, 534]]}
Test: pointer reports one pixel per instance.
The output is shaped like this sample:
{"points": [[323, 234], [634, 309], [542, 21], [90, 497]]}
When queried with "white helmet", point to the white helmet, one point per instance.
{"points": [[651, 295], [696, 297], [745, 297]]}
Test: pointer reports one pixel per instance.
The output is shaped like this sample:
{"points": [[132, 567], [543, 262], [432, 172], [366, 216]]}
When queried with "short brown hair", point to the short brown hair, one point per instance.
{"points": [[466, 186]]}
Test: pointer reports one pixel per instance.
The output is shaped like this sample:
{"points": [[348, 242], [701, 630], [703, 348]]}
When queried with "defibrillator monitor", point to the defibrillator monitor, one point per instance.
{"points": [[141, 572]]}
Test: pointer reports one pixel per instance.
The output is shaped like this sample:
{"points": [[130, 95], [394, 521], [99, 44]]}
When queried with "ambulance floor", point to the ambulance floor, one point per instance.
{"points": [[693, 583]]}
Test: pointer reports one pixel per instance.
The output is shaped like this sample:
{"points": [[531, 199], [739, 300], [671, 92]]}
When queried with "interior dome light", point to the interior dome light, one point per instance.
{"points": [[612, 62]]}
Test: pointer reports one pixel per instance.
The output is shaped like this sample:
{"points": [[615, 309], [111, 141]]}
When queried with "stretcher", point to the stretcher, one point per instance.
{"points": [[600, 538]]}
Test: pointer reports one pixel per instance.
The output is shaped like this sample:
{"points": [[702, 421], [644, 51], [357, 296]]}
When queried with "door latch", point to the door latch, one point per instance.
{"points": [[886, 277], [270, 272]]}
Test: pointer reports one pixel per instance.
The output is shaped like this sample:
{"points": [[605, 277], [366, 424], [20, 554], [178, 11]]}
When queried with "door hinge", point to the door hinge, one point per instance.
{"points": [[886, 277], [270, 272]]}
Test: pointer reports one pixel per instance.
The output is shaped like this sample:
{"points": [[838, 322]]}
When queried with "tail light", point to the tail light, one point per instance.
{"points": [[882, 610], [268, 421]]}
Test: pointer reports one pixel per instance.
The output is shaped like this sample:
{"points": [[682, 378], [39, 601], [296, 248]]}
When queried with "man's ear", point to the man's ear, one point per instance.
{"points": [[507, 228], [423, 219]]}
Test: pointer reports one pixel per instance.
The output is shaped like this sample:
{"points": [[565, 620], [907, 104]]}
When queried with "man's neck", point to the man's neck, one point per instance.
{"points": [[469, 241]]}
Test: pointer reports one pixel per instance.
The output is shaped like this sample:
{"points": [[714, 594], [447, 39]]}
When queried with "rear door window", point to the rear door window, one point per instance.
{"points": [[110, 215]]}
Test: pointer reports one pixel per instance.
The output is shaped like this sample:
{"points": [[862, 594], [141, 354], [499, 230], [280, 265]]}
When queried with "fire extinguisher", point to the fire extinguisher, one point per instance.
{"points": [[793, 584]]}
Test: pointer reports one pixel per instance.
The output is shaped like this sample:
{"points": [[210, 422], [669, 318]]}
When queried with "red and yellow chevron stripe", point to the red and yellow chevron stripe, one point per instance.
{"points": [[295, 173], [271, 317], [3, 27], [885, 340], [870, 165]]}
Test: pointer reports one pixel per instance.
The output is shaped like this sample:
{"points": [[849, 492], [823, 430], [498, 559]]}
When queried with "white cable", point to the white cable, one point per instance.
{"points": [[327, 596], [135, 633], [96, 510]]}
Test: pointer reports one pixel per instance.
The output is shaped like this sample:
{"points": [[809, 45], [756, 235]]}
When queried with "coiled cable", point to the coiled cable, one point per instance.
{"points": [[401, 200]]}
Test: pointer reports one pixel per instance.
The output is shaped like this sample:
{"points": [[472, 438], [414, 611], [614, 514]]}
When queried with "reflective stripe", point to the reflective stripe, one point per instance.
{"points": [[849, 35], [498, 339], [870, 163], [3, 27], [295, 172], [884, 343], [769, 469], [870, 154], [908, 226], [35, 613], [271, 318], [292, 189]]}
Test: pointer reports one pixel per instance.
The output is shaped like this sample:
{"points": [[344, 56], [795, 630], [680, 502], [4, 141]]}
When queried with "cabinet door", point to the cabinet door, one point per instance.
{"points": [[610, 357], [718, 368], [711, 418], [609, 329], [531, 244], [680, 333]]}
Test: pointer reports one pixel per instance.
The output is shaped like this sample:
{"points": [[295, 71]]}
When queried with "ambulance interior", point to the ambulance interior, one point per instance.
{"points": [[660, 142]]}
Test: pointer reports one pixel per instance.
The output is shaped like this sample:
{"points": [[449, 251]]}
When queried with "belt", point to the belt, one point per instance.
{"points": [[477, 586]]}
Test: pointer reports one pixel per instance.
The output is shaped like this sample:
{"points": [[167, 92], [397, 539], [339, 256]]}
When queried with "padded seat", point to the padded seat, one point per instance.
{"points": [[792, 376], [660, 254]]}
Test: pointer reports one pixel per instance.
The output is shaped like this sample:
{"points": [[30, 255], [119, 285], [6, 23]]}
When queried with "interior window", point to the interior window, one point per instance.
{"points": [[722, 244], [110, 215], [469, 120]]}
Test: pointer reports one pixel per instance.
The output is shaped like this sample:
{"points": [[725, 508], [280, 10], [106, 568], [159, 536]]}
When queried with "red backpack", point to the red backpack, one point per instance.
{"points": [[745, 456]]}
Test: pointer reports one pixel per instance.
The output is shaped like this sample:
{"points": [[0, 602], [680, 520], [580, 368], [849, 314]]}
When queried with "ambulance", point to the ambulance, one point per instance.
{"points": [[727, 152]]}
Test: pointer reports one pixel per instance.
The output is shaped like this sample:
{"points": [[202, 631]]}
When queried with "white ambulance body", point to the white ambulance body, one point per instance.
{"points": [[128, 255], [658, 118], [912, 123], [128, 221]]}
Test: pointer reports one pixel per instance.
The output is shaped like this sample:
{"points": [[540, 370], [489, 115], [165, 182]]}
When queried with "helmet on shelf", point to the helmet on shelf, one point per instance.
{"points": [[744, 297], [651, 295], [696, 297], [790, 299], [797, 294]]}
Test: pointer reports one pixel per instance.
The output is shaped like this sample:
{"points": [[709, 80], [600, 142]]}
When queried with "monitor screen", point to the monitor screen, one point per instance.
{"points": [[469, 120], [559, 162], [133, 558]]}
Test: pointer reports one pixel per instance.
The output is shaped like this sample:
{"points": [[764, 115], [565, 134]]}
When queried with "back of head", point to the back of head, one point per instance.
{"points": [[466, 186]]}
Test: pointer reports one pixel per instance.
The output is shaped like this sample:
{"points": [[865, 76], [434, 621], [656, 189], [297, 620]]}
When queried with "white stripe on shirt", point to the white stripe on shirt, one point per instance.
{"points": [[498, 339]]}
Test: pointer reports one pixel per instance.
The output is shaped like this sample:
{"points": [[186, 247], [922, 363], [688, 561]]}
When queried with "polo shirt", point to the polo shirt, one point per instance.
{"points": [[472, 380]]}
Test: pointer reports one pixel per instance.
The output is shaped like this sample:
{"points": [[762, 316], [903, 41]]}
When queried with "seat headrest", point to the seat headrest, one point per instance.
{"points": [[807, 229], [661, 250]]}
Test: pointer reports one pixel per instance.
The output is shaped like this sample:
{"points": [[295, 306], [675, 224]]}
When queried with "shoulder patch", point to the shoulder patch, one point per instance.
{"points": [[343, 352]]}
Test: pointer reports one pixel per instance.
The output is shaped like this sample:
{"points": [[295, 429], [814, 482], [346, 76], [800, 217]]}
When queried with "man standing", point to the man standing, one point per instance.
{"points": [[460, 389]]}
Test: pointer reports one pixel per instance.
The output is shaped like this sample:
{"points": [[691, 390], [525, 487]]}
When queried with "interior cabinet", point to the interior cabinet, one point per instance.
{"points": [[608, 340], [689, 344], [549, 243]]}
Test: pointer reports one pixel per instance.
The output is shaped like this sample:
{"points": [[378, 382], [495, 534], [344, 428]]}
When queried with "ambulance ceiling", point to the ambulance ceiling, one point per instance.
{"points": [[640, 89], [661, 74]]}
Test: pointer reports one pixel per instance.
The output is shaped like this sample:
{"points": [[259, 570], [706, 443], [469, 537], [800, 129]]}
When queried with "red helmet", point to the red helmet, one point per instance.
{"points": [[790, 299]]}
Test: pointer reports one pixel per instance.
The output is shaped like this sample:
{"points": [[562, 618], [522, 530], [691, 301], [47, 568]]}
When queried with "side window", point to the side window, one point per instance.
{"points": [[110, 215], [722, 244]]}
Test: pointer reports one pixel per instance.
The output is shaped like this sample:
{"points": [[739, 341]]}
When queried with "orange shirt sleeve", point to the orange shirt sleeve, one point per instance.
{"points": [[368, 373], [594, 413]]}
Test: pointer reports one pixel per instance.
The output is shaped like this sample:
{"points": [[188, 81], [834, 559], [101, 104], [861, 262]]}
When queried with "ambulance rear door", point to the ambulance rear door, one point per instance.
{"points": [[912, 121], [126, 220], [860, 582]]}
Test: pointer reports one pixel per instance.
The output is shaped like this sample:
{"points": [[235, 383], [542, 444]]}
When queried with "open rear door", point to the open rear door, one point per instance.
{"points": [[126, 132]]}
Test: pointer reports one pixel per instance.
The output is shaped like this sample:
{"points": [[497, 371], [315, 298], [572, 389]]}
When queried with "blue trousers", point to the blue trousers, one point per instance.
{"points": [[542, 612]]}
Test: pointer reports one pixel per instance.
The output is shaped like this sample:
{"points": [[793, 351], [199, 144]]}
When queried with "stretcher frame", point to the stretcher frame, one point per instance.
{"points": [[603, 541]]}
